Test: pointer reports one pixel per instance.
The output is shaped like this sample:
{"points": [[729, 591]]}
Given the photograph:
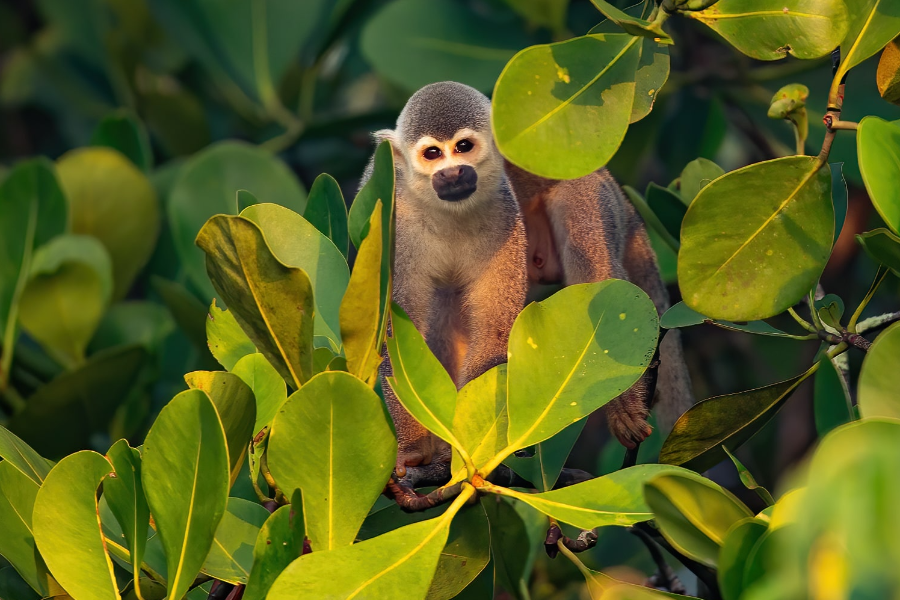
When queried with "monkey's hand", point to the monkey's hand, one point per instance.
{"points": [[423, 450], [627, 417]]}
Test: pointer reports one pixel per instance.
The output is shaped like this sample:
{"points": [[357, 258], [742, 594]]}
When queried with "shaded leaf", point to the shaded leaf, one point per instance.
{"points": [[13, 587], [748, 480], [124, 494], [883, 246], [772, 29], [206, 186], [561, 110], [742, 260], [62, 415], [76, 552], [268, 387], [697, 438], [20, 455], [667, 205], [231, 556], [693, 513], [681, 315], [327, 212], [379, 187], [271, 302], [236, 406], [696, 175], [188, 312], [133, 322], [517, 532], [226, 340], [543, 468], [739, 541], [655, 226], [244, 199], [879, 378], [333, 439], [631, 24], [276, 547], [124, 132], [545, 13], [878, 146], [839, 198], [110, 199], [185, 478]]}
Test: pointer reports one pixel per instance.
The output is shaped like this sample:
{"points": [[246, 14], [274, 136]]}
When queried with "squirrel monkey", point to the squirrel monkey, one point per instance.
{"points": [[460, 249]]}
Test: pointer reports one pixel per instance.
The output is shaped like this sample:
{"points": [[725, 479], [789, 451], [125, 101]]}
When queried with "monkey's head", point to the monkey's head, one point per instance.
{"points": [[443, 146]]}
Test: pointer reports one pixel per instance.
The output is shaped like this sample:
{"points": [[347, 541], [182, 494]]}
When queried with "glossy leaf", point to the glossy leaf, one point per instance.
{"points": [[480, 419], [667, 205], [742, 260], [333, 439], [872, 24], [61, 416], [878, 146], [652, 74], [227, 341], [693, 513], [614, 499], [69, 288], [124, 494], [76, 552], [231, 556], [883, 246], [297, 243], [697, 438], [268, 387], [20, 455], [888, 75], [414, 43], [271, 302], [32, 211], [631, 24], [748, 480], [124, 132], [561, 110], [880, 377], [772, 29], [681, 315], [236, 406], [327, 212], [738, 543], [110, 199], [17, 495], [543, 468], [404, 558], [601, 336], [206, 186], [360, 311], [696, 175], [185, 479], [276, 547]]}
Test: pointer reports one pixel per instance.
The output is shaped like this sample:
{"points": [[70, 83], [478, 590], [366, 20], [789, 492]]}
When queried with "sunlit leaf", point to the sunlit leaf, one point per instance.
{"points": [[888, 75], [480, 420], [124, 495], [631, 24], [276, 547], [878, 146], [231, 556], [879, 378], [872, 24], [268, 387], [227, 341]]}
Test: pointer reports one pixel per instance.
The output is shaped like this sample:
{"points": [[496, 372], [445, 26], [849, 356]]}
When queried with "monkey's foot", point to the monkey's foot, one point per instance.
{"points": [[627, 419]]}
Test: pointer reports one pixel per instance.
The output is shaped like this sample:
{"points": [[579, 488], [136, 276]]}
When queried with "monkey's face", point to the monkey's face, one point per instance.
{"points": [[451, 167]]}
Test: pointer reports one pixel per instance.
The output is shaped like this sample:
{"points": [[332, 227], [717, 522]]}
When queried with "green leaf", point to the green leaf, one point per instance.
{"points": [[681, 315], [333, 439], [693, 513], [601, 337], [667, 205], [236, 406], [206, 186], [133, 322], [543, 13], [739, 541], [697, 438], [872, 24], [883, 246], [839, 197], [830, 309], [227, 341], [61, 416], [773, 249], [124, 132], [276, 547], [561, 110], [231, 556], [188, 312], [66, 295], [789, 103], [297, 243], [480, 420], [654, 224], [696, 175], [517, 533], [601, 586], [413, 43], [17, 494], [888, 75], [67, 527], [405, 558], [361, 310], [32, 211], [878, 146], [253, 43], [244, 199], [633, 25], [380, 186], [20, 455], [110, 199], [748, 480], [185, 478], [13, 587], [879, 377], [614, 499], [124, 494], [273, 303], [543, 468], [327, 211], [772, 29], [267, 385]]}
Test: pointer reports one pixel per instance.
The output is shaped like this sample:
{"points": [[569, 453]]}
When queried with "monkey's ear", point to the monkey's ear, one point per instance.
{"points": [[391, 136]]}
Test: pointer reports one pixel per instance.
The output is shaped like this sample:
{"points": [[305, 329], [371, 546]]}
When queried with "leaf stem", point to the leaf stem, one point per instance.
{"points": [[813, 313], [803, 322], [879, 277]]}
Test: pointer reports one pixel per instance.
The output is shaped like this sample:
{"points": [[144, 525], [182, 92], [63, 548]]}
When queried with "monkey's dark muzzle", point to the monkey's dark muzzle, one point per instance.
{"points": [[455, 183]]}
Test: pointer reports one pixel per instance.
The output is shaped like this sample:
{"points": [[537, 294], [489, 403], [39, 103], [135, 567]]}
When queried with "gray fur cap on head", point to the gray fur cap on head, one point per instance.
{"points": [[441, 109]]}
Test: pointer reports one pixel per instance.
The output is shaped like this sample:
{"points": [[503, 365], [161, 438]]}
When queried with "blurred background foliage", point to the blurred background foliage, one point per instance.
{"points": [[156, 111]]}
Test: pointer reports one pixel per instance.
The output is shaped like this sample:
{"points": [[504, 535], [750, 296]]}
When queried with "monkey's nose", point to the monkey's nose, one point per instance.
{"points": [[455, 183]]}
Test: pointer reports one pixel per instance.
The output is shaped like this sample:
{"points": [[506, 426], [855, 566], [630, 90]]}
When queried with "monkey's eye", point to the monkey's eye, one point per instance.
{"points": [[464, 146], [432, 153]]}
